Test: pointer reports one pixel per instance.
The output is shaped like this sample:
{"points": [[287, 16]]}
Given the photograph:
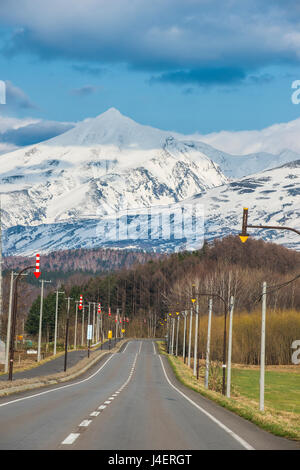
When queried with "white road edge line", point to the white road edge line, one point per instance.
{"points": [[221, 425], [58, 388], [126, 347]]}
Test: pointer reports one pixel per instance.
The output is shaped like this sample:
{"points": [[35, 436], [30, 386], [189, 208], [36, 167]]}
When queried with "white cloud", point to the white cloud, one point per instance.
{"points": [[156, 35], [273, 139]]}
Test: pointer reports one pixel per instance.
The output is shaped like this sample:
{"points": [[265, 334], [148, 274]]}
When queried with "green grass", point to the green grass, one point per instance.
{"points": [[282, 389]]}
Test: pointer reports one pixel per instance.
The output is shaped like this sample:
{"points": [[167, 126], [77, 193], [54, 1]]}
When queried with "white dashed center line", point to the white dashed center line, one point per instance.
{"points": [[71, 438], [85, 423]]}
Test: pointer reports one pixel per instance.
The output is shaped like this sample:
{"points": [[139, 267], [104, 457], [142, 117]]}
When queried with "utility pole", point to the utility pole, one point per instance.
{"points": [[262, 349], [94, 318], [231, 305], [173, 331], [82, 326], [208, 344], [117, 325], [56, 320], [1, 297], [13, 323], [177, 332], [196, 339], [67, 332], [190, 338], [41, 319], [193, 300], [76, 315], [89, 320], [184, 335], [12, 276]]}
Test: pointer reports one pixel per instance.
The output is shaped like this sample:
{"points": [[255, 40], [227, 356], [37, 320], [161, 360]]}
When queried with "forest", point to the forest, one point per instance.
{"points": [[148, 289]]}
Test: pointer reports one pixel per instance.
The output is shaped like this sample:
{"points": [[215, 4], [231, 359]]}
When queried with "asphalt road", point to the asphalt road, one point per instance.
{"points": [[129, 401], [56, 365]]}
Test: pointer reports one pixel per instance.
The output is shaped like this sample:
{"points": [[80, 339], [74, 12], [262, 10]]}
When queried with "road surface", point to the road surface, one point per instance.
{"points": [[55, 366], [129, 401]]}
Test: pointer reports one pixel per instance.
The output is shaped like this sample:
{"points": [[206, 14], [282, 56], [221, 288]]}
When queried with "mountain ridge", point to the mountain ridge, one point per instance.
{"points": [[54, 193]]}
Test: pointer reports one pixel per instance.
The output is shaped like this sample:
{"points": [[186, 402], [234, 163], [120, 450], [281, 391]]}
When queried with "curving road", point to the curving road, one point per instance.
{"points": [[129, 401]]}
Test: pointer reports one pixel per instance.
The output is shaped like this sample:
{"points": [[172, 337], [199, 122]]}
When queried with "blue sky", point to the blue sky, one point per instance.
{"points": [[190, 66]]}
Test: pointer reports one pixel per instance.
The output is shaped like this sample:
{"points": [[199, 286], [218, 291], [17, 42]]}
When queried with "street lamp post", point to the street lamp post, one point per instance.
{"points": [[8, 331], [13, 323], [184, 335], [177, 333], [209, 294], [190, 337], [196, 341], [41, 320], [208, 344], [244, 235]]}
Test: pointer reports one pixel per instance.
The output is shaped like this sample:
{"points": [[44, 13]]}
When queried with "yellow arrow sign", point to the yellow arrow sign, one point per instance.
{"points": [[243, 238]]}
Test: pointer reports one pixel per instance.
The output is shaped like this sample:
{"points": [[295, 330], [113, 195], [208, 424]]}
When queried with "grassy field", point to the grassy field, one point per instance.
{"points": [[282, 389], [282, 399]]}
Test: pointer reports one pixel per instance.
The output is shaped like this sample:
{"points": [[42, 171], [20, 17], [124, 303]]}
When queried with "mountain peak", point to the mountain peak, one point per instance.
{"points": [[111, 128], [110, 112]]}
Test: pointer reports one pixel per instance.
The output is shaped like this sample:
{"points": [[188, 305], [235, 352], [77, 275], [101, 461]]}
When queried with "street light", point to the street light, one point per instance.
{"points": [[244, 235], [209, 294], [13, 323]]}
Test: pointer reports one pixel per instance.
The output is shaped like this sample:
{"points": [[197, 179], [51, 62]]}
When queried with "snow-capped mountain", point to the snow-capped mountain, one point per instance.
{"points": [[99, 167], [64, 192], [272, 197]]}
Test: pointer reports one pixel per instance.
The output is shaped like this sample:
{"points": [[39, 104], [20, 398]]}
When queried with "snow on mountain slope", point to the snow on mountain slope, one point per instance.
{"points": [[98, 167], [237, 166], [272, 198], [56, 193]]}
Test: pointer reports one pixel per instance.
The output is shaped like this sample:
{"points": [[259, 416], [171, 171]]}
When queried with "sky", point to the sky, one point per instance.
{"points": [[195, 66]]}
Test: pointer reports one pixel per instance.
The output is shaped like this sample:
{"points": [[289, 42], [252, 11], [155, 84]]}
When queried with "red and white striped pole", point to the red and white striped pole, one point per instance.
{"points": [[37, 272], [80, 303], [99, 308]]}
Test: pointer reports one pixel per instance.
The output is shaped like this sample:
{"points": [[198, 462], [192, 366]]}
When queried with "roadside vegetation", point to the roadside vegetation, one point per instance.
{"points": [[282, 411]]}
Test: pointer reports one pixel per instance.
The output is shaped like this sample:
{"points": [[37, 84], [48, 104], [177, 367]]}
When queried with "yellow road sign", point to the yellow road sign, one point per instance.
{"points": [[109, 336]]}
